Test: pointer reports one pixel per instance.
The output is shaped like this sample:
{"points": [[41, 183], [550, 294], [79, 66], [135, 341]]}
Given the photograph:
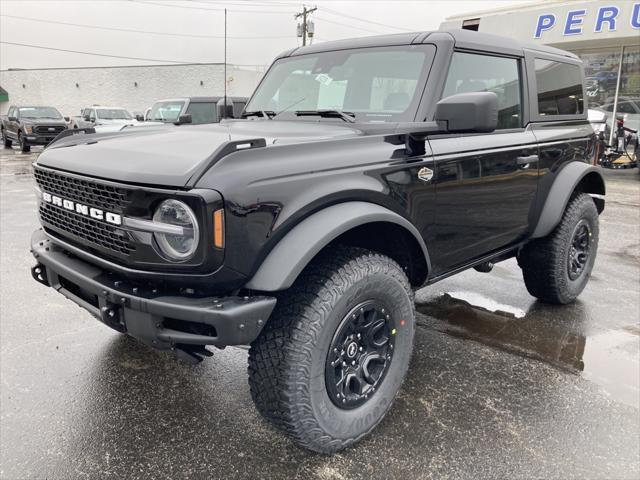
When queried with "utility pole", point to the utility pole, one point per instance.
{"points": [[224, 115], [304, 30]]}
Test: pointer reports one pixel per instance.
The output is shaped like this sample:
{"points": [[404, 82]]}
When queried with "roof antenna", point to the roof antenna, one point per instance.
{"points": [[224, 115]]}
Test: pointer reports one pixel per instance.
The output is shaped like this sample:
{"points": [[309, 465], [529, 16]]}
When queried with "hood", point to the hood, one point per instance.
{"points": [[169, 156]]}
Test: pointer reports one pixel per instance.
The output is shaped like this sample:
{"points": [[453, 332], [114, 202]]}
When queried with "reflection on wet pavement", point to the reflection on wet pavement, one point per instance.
{"points": [[609, 358]]}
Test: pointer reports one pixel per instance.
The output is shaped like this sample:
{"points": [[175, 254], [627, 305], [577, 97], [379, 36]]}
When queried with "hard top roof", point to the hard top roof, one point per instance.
{"points": [[466, 39]]}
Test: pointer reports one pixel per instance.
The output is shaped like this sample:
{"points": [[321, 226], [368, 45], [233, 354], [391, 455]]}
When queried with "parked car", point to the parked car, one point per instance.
{"points": [[628, 107], [31, 126], [601, 84], [201, 109], [362, 171], [108, 119], [78, 121]]}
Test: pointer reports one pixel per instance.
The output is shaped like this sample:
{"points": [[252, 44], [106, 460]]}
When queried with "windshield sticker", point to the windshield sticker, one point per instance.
{"points": [[324, 79]]}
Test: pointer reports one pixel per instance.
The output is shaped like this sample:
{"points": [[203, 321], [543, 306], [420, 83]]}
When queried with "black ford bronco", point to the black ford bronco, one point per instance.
{"points": [[361, 171]]}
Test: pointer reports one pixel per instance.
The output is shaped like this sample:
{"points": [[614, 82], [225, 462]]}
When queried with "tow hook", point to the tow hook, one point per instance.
{"points": [[192, 354], [39, 273], [110, 314]]}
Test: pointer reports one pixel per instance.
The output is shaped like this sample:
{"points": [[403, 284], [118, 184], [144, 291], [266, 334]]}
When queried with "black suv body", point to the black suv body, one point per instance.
{"points": [[31, 126], [363, 170]]}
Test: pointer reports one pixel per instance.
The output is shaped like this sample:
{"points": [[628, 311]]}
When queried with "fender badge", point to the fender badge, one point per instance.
{"points": [[425, 174]]}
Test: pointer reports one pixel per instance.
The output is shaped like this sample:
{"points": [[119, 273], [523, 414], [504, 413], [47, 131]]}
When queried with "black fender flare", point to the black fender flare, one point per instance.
{"points": [[564, 184], [299, 246]]}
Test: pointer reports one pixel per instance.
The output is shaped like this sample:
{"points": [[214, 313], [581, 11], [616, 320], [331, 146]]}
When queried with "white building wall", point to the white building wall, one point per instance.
{"points": [[561, 23], [134, 88]]}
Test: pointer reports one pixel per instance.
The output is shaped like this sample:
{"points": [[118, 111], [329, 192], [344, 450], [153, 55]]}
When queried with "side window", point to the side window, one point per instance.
{"points": [[559, 88], [92, 115], [470, 72], [11, 112], [626, 107], [202, 112]]}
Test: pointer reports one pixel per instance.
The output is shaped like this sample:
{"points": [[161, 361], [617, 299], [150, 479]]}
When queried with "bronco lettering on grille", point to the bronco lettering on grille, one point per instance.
{"points": [[76, 207]]}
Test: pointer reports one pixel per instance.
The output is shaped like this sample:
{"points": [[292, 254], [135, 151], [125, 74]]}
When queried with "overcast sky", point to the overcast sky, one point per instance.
{"points": [[191, 31]]}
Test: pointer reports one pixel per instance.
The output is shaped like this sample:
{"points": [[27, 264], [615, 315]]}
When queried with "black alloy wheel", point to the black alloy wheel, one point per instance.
{"points": [[359, 355], [579, 250]]}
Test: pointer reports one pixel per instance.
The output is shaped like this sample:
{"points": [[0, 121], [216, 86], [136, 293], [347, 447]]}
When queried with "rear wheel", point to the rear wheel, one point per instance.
{"points": [[556, 268], [24, 146], [331, 359]]}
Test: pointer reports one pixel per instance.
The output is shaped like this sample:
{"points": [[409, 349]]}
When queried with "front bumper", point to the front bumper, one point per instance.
{"points": [[37, 139], [165, 319]]}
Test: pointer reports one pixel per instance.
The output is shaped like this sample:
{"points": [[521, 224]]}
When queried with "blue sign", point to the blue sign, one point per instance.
{"points": [[607, 19]]}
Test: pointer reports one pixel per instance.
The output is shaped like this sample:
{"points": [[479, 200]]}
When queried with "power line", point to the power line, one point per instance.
{"points": [[182, 62], [118, 29], [337, 13], [170, 5], [94, 54], [349, 26], [247, 3]]}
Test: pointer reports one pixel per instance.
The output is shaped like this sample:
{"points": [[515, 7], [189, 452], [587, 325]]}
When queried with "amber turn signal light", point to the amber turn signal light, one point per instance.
{"points": [[218, 228]]}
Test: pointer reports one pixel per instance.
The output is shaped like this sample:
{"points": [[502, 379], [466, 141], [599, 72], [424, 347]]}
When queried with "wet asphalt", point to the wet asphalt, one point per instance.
{"points": [[500, 386]]}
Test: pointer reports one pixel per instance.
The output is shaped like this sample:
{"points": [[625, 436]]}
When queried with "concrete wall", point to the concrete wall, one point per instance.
{"points": [[116, 86]]}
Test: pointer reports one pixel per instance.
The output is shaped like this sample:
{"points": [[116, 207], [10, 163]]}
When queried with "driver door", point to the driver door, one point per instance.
{"points": [[485, 183]]}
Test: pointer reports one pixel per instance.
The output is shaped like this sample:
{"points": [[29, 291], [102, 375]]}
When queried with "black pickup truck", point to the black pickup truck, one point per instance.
{"points": [[31, 126], [362, 170]]}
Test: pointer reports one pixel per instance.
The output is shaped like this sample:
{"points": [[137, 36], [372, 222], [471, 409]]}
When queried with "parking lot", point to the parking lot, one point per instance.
{"points": [[500, 386]]}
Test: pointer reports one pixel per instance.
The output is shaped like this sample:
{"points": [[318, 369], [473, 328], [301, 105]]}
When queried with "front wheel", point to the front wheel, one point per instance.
{"points": [[556, 268], [24, 146], [327, 366]]}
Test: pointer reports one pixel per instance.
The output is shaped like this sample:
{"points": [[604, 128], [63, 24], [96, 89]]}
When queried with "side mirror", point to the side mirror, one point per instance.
{"points": [[12, 119], [139, 118], [186, 118], [66, 119], [468, 112]]}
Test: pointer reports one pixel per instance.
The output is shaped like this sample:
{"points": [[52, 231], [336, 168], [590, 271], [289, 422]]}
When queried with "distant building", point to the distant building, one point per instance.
{"points": [[135, 88], [605, 35]]}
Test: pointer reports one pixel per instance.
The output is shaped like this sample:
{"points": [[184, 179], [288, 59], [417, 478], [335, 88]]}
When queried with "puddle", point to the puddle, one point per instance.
{"points": [[480, 301], [546, 333]]}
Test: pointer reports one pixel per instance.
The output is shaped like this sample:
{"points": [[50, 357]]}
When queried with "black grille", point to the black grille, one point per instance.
{"points": [[46, 129], [88, 192], [101, 234], [78, 227]]}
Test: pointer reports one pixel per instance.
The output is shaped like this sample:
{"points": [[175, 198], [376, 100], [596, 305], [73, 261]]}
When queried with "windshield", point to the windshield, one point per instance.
{"points": [[166, 111], [375, 84], [113, 114], [39, 112]]}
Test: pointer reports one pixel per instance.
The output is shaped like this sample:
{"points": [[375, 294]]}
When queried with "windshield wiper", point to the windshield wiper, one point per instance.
{"points": [[346, 116], [260, 113]]}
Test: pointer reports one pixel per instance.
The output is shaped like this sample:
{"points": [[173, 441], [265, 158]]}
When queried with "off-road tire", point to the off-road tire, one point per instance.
{"points": [[544, 261], [287, 361], [24, 147], [5, 141]]}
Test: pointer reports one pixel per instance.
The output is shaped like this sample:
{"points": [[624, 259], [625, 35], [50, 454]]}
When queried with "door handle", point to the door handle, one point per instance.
{"points": [[524, 162]]}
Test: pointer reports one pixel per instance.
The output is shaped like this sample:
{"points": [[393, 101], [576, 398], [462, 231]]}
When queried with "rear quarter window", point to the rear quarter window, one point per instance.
{"points": [[559, 88]]}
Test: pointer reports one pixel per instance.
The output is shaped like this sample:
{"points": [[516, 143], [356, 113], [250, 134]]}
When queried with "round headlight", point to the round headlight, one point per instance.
{"points": [[182, 242]]}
